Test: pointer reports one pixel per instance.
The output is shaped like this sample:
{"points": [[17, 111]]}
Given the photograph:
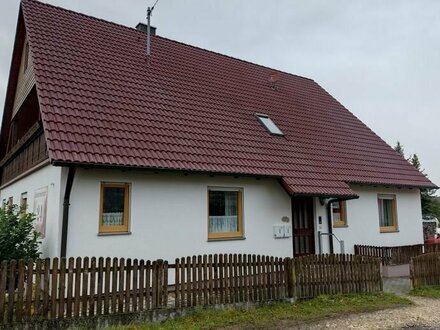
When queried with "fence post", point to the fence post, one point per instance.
{"points": [[290, 275]]}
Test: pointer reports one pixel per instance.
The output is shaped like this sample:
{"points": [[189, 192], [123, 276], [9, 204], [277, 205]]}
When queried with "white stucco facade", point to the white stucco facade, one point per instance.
{"points": [[46, 179], [168, 215], [363, 220]]}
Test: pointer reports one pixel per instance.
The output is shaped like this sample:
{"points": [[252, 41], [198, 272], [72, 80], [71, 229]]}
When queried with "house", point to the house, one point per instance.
{"points": [[186, 151]]}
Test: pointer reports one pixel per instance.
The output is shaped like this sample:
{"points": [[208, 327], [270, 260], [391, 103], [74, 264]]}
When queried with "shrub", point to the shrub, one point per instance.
{"points": [[18, 238]]}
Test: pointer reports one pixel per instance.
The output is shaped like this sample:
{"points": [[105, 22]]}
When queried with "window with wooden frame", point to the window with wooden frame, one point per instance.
{"points": [[225, 213], [114, 208], [339, 214], [387, 213]]}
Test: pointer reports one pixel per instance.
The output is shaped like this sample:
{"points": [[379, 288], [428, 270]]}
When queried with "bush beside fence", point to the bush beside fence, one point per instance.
{"points": [[425, 270], [82, 287]]}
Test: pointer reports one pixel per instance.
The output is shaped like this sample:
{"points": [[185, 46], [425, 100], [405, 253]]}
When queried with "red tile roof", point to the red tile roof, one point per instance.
{"points": [[191, 109]]}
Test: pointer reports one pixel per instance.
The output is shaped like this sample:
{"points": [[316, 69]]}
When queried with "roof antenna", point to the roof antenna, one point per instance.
{"points": [[149, 12]]}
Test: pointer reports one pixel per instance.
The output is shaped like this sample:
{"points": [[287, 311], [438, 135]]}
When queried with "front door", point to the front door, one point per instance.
{"points": [[303, 226]]}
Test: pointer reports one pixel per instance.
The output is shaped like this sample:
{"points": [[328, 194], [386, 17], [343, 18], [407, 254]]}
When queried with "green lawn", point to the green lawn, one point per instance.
{"points": [[429, 292], [317, 308]]}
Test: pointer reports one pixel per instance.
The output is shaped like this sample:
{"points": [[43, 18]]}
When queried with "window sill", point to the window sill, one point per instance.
{"points": [[387, 231], [226, 239], [115, 233]]}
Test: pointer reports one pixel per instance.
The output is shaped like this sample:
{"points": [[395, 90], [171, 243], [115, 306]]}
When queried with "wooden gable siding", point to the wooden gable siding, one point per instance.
{"points": [[26, 79], [25, 156]]}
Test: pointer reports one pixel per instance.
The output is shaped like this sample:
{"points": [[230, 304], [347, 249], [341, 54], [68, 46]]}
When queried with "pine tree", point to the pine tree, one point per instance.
{"points": [[430, 205], [399, 148]]}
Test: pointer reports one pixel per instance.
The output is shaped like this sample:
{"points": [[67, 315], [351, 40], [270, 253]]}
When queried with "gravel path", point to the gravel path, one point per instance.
{"points": [[423, 315]]}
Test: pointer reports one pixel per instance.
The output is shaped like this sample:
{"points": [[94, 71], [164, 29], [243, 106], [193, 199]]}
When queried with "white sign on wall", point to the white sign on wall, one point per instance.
{"points": [[40, 210]]}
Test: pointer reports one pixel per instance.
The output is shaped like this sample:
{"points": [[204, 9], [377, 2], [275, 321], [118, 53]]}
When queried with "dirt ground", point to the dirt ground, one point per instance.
{"points": [[423, 315]]}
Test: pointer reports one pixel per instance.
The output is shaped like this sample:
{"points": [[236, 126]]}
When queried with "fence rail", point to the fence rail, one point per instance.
{"points": [[47, 289], [425, 270]]}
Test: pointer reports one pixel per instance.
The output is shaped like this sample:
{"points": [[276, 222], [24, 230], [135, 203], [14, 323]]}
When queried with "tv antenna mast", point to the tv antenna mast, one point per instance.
{"points": [[149, 13]]}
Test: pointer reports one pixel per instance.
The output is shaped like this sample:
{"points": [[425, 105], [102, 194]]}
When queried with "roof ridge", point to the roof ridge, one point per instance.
{"points": [[168, 39]]}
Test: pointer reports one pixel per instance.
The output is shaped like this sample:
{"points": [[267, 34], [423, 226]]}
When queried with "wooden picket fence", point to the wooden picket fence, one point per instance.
{"points": [[39, 290], [337, 273], [392, 255], [226, 279], [425, 270]]}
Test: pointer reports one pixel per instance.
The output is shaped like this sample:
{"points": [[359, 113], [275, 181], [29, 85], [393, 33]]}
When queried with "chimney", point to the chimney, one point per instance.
{"points": [[144, 28]]}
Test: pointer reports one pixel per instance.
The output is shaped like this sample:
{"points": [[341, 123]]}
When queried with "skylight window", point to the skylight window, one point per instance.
{"points": [[269, 124]]}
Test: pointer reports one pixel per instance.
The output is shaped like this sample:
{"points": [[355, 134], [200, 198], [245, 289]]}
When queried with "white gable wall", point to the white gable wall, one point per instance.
{"points": [[169, 216], [50, 177]]}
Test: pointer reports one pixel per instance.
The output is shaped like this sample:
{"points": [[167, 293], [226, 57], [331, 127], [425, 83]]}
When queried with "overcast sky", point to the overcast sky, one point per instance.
{"points": [[380, 59]]}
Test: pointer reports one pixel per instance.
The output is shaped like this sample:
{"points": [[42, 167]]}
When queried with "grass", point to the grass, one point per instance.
{"points": [[320, 307], [428, 291]]}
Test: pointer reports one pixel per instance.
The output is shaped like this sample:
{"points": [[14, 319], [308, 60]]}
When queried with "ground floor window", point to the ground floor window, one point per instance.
{"points": [[339, 214], [114, 208], [387, 213], [225, 215]]}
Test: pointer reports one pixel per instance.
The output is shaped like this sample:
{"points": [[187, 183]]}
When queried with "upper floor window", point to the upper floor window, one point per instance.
{"points": [[269, 124], [339, 214], [114, 208], [387, 213], [225, 215]]}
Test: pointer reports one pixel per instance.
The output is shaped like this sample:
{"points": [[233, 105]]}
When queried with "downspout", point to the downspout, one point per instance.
{"points": [[66, 204], [329, 218]]}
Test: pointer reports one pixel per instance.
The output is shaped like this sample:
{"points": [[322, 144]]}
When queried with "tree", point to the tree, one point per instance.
{"points": [[18, 238], [399, 148], [430, 204]]}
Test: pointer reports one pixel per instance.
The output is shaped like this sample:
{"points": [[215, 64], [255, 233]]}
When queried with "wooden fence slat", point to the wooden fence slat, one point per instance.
{"points": [[177, 283], [100, 281], [4, 290], [121, 285], [29, 284], [92, 292], [112, 271], [11, 291], [70, 278], [38, 289], [62, 289], [20, 291], [200, 281], [141, 285], [135, 295], [85, 282], [54, 289], [148, 285], [128, 278], [205, 279], [77, 291]]}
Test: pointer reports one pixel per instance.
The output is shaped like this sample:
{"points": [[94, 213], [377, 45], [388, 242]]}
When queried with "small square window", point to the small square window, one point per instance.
{"points": [[225, 216], [114, 208], [387, 213], [269, 124], [339, 214]]}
